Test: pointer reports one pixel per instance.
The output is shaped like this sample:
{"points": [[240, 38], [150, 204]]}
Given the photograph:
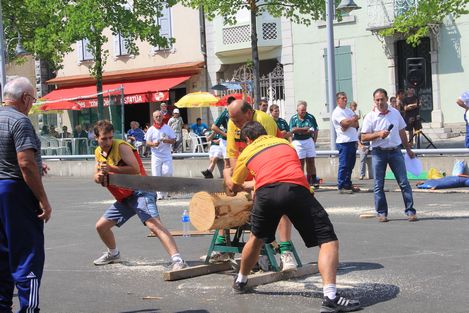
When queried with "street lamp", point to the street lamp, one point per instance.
{"points": [[345, 6]]}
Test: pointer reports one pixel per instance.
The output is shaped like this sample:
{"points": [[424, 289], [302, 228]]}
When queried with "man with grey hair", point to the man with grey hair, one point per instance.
{"points": [[160, 138], [305, 133], [24, 206]]}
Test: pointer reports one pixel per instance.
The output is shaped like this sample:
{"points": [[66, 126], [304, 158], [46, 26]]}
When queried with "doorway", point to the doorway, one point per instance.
{"points": [[425, 93]]}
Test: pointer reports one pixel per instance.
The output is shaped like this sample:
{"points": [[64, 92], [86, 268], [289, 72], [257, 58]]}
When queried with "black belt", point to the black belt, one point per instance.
{"points": [[386, 149]]}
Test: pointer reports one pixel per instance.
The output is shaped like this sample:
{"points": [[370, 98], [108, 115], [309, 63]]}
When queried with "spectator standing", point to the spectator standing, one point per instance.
{"points": [[199, 128], [463, 102], [305, 133], [220, 126], [263, 105], [411, 105], [345, 123], [385, 143], [115, 156], [281, 123], [80, 144], [159, 138], [165, 112], [215, 153], [24, 206], [176, 124]]}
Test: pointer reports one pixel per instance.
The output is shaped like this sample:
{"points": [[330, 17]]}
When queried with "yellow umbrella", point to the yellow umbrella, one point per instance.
{"points": [[198, 99]]}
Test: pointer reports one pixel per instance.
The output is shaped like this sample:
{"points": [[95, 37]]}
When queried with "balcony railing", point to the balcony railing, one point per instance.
{"points": [[232, 38], [381, 13]]}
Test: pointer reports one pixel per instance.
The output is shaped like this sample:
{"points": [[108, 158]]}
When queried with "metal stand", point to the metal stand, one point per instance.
{"points": [[236, 245], [417, 135]]}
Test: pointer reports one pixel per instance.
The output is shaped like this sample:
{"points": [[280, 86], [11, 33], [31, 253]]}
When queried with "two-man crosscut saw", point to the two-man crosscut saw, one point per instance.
{"points": [[163, 183]]}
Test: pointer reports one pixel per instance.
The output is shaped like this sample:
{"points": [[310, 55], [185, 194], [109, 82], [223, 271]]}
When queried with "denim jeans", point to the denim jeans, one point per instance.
{"points": [[467, 136], [347, 158], [363, 161], [395, 159]]}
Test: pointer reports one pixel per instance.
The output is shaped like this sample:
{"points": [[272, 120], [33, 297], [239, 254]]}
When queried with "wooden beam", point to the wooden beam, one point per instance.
{"points": [[197, 270], [195, 233], [270, 277]]}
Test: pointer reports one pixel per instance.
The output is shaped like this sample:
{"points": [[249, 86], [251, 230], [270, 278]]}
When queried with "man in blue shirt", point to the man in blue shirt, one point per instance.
{"points": [[136, 136], [199, 128]]}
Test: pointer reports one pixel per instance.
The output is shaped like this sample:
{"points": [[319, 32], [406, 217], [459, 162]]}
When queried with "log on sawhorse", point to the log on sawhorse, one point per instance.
{"points": [[197, 270], [270, 277]]}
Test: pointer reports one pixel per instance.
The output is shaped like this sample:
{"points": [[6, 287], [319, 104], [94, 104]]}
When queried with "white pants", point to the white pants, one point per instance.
{"points": [[161, 167], [305, 148]]}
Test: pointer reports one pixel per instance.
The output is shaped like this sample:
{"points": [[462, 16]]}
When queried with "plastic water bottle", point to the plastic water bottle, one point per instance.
{"points": [[185, 223]]}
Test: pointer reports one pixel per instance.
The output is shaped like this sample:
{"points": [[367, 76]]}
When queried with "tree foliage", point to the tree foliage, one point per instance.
{"points": [[50, 27], [414, 23], [298, 11]]}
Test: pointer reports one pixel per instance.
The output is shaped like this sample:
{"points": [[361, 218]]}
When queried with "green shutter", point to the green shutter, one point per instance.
{"points": [[343, 70]]}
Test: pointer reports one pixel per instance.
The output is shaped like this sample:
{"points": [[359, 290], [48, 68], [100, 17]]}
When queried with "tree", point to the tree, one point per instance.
{"points": [[50, 27], [298, 11], [414, 23]]}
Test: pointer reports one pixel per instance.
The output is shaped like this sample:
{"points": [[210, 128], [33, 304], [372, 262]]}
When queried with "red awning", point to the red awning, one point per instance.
{"points": [[151, 90]]}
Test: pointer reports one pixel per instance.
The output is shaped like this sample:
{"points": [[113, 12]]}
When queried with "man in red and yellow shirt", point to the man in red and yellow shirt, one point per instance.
{"points": [[115, 156], [240, 113], [282, 189]]}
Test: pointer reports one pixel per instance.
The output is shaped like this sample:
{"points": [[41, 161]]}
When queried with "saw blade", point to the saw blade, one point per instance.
{"points": [[169, 184]]}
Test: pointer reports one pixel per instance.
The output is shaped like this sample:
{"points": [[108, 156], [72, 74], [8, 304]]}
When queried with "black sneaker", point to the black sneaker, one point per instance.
{"points": [[339, 304], [207, 174], [240, 288]]}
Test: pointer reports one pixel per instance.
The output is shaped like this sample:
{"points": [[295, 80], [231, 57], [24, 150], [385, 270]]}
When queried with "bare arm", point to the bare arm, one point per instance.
{"points": [[217, 130], [462, 104], [129, 159], [349, 122], [32, 178], [300, 130], [405, 142], [374, 135]]}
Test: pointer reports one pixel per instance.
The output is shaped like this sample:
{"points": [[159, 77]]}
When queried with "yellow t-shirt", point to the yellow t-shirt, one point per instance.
{"points": [[234, 145], [114, 158]]}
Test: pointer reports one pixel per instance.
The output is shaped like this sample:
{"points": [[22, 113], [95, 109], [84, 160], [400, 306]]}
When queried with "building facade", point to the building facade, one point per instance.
{"points": [[155, 75], [366, 61]]}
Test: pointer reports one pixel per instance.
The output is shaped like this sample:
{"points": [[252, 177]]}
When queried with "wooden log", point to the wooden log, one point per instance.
{"points": [[197, 270], [218, 211], [270, 277]]}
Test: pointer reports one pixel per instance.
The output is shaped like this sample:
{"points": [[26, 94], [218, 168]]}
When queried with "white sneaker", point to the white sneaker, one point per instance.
{"points": [[288, 261], [179, 265], [107, 258]]}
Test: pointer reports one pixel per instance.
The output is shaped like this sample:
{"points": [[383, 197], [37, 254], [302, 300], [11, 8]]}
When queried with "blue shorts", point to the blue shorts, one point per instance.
{"points": [[141, 203]]}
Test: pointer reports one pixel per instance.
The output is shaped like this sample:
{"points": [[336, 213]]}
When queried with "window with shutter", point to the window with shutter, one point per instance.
{"points": [[121, 45], [84, 54], [343, 70], [164, 21]]}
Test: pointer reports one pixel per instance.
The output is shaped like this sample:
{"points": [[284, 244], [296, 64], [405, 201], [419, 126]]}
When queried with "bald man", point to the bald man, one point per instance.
{"points": [[240, 113]]}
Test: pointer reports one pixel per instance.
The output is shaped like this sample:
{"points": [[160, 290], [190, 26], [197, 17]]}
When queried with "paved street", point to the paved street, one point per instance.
{"points": [[393, 267]]}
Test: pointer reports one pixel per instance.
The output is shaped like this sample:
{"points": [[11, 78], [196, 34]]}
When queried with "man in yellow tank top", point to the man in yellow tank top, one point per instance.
{"points": [[115, 156]]}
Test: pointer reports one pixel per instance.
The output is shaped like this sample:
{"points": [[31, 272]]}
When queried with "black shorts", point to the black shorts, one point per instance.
{"points": [[305, 212]]}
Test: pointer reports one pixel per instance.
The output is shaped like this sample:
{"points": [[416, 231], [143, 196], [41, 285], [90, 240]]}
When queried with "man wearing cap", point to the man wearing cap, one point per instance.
{"points": [[176, 123]]}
